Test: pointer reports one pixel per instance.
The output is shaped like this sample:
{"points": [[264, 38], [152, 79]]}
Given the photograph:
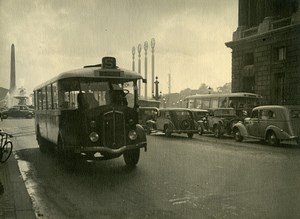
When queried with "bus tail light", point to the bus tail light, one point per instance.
{"points": [[94, 136]]}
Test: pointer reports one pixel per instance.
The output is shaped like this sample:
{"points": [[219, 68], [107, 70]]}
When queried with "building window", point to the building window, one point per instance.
{"points": [[281, 53], [280, 88], [248, 59]]}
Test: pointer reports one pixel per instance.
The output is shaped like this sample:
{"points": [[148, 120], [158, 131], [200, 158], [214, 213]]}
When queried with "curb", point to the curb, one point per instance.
{"points": [[15, 202]]}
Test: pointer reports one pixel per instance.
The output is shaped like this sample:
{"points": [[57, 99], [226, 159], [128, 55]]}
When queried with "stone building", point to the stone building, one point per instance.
{"points": [[266, 50]]}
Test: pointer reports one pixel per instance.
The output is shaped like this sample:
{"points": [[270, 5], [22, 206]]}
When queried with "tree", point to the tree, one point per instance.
{"points": [[226, 88]]}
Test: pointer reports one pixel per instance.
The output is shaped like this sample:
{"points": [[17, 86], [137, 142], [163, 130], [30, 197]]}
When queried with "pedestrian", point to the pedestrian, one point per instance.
{"points": [[1, 116]]}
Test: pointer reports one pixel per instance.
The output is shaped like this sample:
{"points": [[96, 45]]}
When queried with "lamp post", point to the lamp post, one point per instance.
{"points": [[139, 65], [156, 96], [146, 48], [133, 64], [209, 89], [152, 46]]}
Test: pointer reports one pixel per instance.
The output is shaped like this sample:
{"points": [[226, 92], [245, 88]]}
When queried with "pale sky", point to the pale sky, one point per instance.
{"points": [[53, 36]]}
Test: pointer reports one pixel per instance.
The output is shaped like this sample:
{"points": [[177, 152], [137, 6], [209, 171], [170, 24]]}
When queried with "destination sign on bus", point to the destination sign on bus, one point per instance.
{"points": [[109, 63]]}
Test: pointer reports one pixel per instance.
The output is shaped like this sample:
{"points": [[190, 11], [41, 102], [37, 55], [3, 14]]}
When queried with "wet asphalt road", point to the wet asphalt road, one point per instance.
{"points": [[178, 177]]}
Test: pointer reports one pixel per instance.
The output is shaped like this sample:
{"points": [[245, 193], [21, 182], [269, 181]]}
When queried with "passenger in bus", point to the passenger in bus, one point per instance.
{"points": [[86, 101], [116, 97]]}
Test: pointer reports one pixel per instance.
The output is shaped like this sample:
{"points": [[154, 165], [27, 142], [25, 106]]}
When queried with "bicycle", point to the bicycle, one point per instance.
{"points": [[6, 146]]}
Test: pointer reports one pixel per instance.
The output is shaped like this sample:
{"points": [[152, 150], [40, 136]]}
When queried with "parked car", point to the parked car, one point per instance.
{"points": [[18, 111], [200, 116], [221, 120], [176, 120], [147, 118], [270, 123]]}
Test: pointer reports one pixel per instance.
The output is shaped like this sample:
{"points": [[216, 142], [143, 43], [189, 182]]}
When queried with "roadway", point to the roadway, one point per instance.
{"points": [[178, 177]]}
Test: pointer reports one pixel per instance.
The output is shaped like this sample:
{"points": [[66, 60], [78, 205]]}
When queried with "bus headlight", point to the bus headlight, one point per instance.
{"points": [[94, 136], [132, 135]]}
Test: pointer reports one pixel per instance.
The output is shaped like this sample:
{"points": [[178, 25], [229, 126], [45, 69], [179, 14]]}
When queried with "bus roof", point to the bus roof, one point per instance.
{"points": [[96, 72], [239, 94]]}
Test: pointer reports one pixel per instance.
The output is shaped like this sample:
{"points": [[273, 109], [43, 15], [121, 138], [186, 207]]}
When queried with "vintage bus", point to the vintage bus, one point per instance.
{"points": [[241, 102], [85, 113]]}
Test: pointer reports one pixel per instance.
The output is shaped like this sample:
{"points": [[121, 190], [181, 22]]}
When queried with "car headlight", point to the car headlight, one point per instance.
{"points": [[132, 135], [94, 136]]}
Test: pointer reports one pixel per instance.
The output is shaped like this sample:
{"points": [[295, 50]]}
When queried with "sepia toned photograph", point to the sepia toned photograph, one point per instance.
{"points": [[149, 109]]}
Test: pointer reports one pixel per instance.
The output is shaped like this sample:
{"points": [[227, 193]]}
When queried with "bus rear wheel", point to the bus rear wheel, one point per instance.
{"points": [[42, 143], [131, 157]]}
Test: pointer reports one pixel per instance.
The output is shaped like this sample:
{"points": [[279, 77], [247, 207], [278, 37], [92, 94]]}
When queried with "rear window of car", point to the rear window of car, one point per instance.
{"points": [[295, 113]]}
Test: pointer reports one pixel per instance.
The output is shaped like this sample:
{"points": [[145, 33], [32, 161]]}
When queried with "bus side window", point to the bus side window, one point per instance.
{"points": [[54, 96]]}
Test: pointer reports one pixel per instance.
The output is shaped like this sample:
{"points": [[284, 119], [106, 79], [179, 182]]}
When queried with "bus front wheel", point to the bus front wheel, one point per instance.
{"points": [[131, 157]]}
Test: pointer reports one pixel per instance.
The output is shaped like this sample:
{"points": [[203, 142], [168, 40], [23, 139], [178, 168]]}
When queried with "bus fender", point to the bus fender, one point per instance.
{"points": [[141, 134]]}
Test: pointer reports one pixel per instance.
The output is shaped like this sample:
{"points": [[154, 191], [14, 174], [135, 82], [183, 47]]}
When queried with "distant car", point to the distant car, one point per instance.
{"points": [[221, 120], [176, 120], [18, 111], [200, 115], [270, 123], [147, 118]]}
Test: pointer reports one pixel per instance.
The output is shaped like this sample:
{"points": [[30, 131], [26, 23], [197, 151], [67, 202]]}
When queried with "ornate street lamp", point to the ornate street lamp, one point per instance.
{"points": [[133, 64], [152, 46], [139, 65], [146, 48]]}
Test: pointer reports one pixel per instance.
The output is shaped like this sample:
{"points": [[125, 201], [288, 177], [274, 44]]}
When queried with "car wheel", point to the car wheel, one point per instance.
{"points": [[4, 116], [237, 135], [200, 130], [131, 157], [29, 116], [167, 131], [190, 135], [217, 131], [148, 129], [298, 141], [272, 139]]}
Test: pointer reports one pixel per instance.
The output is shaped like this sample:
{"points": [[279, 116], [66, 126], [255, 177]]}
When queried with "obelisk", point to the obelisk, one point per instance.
{"points": [[12, 70]]}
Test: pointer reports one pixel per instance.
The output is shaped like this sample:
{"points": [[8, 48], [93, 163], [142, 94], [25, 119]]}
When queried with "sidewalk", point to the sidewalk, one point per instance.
{"points": [[15, 202]]}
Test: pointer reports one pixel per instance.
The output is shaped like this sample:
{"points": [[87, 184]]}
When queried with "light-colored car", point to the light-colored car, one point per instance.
{"points": [[270, 123], [176, 120]]}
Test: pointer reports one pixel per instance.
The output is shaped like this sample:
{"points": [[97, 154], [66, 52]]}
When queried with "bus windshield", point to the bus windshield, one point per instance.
{"points": [[73, 94]]}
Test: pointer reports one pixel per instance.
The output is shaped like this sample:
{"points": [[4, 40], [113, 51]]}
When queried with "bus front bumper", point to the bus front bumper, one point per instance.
{"points": [[86, 149]]}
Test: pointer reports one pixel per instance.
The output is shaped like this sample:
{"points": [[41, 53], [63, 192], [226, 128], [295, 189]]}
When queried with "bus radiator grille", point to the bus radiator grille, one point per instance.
{"points": [[114, 129]]}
